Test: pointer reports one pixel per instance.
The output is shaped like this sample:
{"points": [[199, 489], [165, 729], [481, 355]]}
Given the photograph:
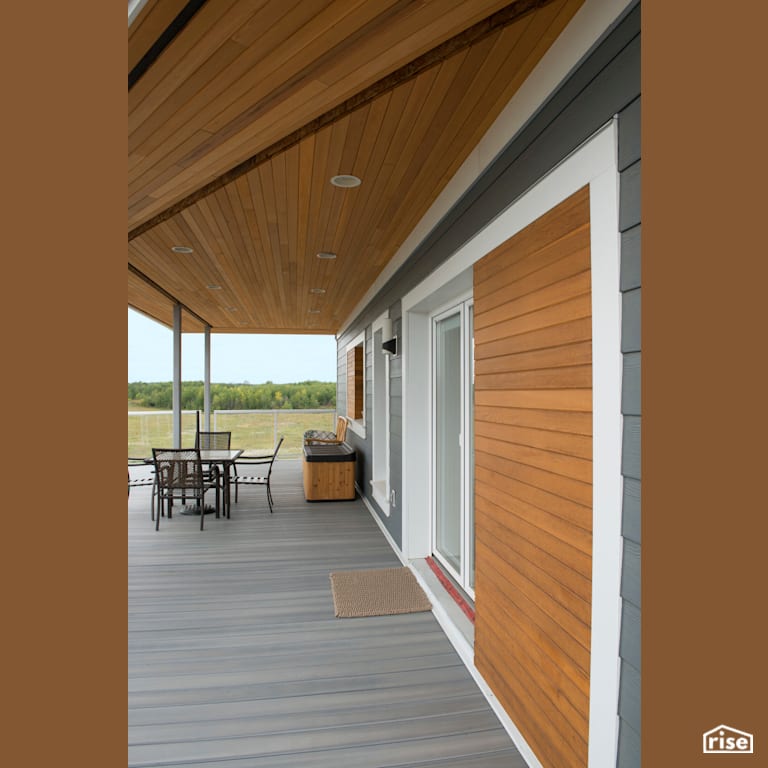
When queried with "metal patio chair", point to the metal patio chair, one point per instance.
{"points": [[142, 480], [245, 462], [179, 474], [213, 441]]}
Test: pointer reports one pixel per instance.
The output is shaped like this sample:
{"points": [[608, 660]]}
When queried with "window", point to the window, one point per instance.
{"points": [[356, 384]]}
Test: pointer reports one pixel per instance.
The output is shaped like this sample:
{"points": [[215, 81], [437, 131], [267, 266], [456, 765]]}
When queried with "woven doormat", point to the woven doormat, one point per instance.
{"points": [[381, 592]]}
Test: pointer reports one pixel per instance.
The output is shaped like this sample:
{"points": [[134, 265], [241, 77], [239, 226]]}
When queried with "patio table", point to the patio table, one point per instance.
{"points": [[224, 458]]}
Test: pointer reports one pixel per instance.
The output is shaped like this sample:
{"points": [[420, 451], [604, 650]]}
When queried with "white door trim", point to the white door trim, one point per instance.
{"points": [[380, 430]]}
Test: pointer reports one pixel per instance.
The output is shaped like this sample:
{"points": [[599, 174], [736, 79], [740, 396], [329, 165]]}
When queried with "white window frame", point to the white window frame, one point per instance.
{"points": [[358, 426]]}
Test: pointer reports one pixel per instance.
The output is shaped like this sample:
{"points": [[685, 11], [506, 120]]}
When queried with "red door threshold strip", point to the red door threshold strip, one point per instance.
{"points": [[466, 608]]}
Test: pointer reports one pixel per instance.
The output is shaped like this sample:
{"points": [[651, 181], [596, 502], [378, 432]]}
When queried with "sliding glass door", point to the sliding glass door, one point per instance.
{"points": [[447, 438], [452, 442]]}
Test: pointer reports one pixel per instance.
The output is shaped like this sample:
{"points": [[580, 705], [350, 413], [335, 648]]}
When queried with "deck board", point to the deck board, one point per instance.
{"points": [[236, 659]]}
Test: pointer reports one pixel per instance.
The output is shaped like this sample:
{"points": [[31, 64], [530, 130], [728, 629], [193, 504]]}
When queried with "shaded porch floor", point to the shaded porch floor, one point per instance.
{"points": [[236, 659]]}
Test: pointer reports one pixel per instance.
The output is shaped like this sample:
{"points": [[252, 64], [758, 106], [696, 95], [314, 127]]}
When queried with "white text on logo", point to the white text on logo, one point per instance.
{"points": [[726, 740]]}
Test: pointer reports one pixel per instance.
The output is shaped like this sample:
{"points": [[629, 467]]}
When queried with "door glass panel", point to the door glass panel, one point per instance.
{"points": [[471, 448], [448, 418]]}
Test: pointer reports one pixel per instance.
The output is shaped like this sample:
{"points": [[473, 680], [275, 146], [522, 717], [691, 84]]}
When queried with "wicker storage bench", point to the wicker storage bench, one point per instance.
{"points": [[329, 472]]}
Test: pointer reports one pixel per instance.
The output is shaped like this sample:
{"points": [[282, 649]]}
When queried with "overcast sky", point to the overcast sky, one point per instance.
{"points": [[235, 358]]}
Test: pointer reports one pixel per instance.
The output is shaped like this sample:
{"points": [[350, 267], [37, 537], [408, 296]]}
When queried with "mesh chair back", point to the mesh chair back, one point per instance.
{"points": [[178, 468], [214, 441], [179, 473]]}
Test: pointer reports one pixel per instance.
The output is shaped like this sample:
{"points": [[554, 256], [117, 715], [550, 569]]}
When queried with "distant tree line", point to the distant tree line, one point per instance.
{"points": [[229, 397]]}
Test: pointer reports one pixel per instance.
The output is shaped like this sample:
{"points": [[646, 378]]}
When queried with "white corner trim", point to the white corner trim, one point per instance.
{"points": [[607, 372], [583, 31]]}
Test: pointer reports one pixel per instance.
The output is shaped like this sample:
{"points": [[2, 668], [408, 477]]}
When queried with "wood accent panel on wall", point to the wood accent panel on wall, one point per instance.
{"points": [[533, 487], [355, 382]]}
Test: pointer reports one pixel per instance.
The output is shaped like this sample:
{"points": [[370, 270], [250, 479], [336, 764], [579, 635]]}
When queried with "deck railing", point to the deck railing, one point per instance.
{"points": [[254, 431]]}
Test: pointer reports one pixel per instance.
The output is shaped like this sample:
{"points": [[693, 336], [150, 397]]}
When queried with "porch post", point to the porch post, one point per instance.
{"points": [[177, 375], [207, 379]]}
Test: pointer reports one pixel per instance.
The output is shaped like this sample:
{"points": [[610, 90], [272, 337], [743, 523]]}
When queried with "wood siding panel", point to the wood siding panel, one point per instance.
{"points": [[533, 469], [559, 442], [569, 490], [555, 515], [355, 372], [570, 423], [560, 334], [559, 260], [573, 354]]}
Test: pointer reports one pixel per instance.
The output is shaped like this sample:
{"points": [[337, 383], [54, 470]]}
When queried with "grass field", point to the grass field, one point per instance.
{"points": [[253, 431]]}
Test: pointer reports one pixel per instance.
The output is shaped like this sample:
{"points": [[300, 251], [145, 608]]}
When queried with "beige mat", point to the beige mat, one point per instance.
{"points": [[382, 592]]}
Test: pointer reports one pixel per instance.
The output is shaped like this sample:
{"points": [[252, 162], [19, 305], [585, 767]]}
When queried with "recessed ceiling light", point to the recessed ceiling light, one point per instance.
{"points": [[345, 181], [326, 255], [181, 249], [317, 290], [213, 287]]}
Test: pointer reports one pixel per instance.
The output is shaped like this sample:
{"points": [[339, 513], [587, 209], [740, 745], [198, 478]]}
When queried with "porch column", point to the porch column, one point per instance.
{"points": [[177, 375], [207, 379]]}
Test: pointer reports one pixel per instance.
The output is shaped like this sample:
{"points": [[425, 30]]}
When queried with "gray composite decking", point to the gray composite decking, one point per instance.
{"points": [[235, 657]]}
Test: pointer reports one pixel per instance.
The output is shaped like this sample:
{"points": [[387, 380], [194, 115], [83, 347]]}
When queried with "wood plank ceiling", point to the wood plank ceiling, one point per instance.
{"points": [[241, 111]]}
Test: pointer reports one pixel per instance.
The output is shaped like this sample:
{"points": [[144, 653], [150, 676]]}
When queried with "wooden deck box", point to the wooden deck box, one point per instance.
{"points": [[329, 472]]}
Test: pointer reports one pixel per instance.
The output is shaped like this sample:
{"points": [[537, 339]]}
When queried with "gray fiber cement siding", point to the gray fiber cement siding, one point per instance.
{"points": [[630, 227]]}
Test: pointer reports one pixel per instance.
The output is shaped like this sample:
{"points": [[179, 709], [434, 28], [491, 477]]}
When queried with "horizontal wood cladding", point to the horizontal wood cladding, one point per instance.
{"points": [[533, 479]]}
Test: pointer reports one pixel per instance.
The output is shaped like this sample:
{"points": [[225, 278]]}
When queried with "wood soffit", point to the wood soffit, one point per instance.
{"points": [[241, 111]]}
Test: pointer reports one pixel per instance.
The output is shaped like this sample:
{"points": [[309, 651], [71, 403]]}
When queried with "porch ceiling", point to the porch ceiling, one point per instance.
{"points": [[240, 114]]}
